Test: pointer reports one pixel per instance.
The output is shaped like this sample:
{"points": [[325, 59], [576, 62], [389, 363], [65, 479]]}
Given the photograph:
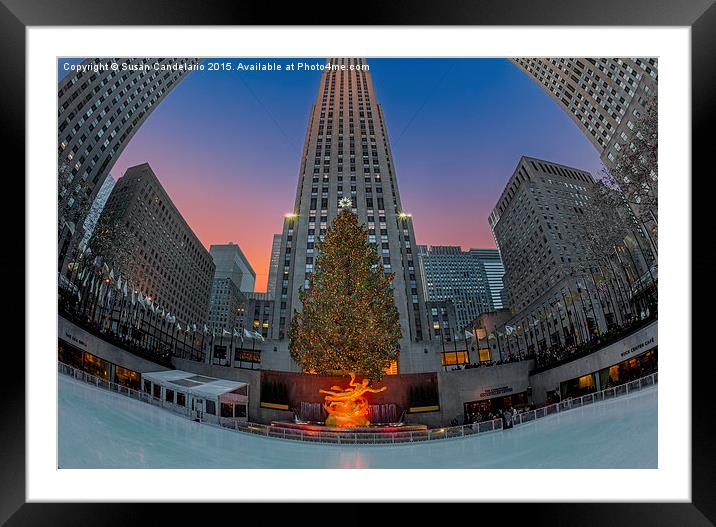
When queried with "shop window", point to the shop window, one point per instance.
{"points": [[126, 377], [96, 366], [210, 407], [157, 391], [147, 386], [220, 352], [586, 382], [240, 410], [181, 399], [169, 395], [69, 355], [485, 355]]}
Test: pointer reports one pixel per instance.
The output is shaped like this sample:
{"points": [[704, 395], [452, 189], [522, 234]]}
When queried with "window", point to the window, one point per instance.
{"points": [[169, 395], [210, 407], [452, 358], [227, 410], [181, 399]]}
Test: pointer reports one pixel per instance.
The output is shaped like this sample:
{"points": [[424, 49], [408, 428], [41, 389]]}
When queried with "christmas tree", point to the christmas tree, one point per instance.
{"points": [[349, 322]]}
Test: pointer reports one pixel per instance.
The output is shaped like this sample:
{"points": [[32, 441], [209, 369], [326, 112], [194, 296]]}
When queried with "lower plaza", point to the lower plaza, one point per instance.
{"points": [[100, 429]]}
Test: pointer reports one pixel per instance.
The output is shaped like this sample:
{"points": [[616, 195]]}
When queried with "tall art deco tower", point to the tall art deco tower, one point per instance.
{"points": [[347, 155]]}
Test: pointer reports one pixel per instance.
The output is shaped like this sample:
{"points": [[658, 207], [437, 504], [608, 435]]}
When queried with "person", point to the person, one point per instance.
{"points": [[507, 418]]}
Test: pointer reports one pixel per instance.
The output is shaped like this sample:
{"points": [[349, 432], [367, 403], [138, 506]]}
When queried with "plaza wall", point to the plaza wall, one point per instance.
{"points": [[630, 346], [475, 384], [455, 388], [86, 341], [305, 388]]}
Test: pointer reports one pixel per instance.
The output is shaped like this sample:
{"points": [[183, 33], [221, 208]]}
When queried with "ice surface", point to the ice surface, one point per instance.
{"points": [[100, 429]]}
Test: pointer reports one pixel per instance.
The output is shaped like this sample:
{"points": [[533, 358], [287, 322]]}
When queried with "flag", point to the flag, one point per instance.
{"points": [[468, 335], [179, 327], [225, 332], [509, 329], [124, 288], [253, 335], [206, 329], [236, 333]]}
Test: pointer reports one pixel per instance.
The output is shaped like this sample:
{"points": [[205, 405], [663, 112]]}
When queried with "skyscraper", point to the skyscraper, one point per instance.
{"points": [[143, 237], [494, 272], [233, 277], [538, 226], [347, 155], [471, 280], [96, 209], [231, 263], [273, 265], [101, 105], [603, 96]]}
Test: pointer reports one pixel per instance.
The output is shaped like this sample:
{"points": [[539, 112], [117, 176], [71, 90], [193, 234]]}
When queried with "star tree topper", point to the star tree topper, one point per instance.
{"points": [[345, 203]]}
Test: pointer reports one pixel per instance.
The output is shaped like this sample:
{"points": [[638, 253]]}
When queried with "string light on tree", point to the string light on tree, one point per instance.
{"points": [[349, 322]]}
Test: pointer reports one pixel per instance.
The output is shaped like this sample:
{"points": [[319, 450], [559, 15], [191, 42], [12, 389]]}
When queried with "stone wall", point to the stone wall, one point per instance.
{"points": [[476, 384]]}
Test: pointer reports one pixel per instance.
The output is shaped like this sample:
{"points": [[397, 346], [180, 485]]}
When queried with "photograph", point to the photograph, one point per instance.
{"points": [[375, 262]]}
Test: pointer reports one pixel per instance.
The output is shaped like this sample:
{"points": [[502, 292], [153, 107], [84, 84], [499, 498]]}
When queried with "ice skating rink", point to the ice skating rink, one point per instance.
{"points": [[100, 429]]}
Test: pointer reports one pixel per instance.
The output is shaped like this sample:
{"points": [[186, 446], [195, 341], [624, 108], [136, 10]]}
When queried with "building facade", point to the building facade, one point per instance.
{"points": [[347, 154], [491, 262], [233, 277], [273, 265], [471, 280], [538, 227], [603, 96], [96, 209], [99, 111], [231, 263], [143, 237], [259, 313]]}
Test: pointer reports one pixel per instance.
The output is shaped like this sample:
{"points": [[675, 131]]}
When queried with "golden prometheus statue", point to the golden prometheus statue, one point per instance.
{"points": [[347, 408]]}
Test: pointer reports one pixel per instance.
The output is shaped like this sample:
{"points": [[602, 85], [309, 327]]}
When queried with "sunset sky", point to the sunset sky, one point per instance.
{"points": [[227, 145]]}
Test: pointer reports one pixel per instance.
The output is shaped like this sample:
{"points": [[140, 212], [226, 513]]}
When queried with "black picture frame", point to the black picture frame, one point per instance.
{"points": [[699, 15]]}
